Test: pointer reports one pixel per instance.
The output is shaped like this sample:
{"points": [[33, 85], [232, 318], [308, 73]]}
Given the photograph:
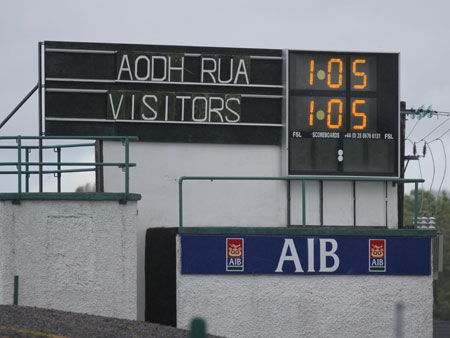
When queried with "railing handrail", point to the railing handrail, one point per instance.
{"points": [[27, 164], [53, 146], [416, 182]]}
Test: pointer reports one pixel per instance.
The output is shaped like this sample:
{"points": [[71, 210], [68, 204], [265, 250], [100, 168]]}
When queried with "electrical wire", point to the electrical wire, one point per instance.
{"points": [[415, 125], [438, 126], [434, 171], [417, 143], [443, 176], [407, 139], [421, 177], [443, 134], [427, 144]]}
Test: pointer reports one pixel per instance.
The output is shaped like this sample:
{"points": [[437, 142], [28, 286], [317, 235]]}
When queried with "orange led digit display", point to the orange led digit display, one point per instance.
{"points": [[330, 106], [342, 113], [311, 73], [311, 113], [360, 74], [363, 123], [330, 68]]}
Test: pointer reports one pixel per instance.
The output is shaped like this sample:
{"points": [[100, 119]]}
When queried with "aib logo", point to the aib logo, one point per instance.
{"points": [[235, 254], [377, 255]]}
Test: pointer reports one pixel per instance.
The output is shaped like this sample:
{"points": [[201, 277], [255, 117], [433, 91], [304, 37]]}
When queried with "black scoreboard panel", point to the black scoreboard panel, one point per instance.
{"points": [[343, 114], [186, 94]]}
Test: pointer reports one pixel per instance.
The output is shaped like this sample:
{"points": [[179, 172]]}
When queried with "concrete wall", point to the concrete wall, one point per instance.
{"points": [[258, 204], [306, 305], [70, 255], [159, 165]]}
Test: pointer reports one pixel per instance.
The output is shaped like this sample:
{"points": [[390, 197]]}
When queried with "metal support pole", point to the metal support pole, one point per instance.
{"points": [[19, 167], [16, 290], [321, 202], [354, 203], [180, 201], [127, 166], [27, 168], [288, 200], [386, 201], [416, 197], [41, 133], [58, 159], [25, 99], [303, 204]]}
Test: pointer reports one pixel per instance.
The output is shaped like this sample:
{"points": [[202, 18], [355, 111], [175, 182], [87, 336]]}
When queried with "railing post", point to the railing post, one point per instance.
{"points": [[16, 290], [19, 167], [416, 197], [27, 168], [41, 131], [180, 201], [198, 328], [303, 204], [58, 175], [127, 175]]}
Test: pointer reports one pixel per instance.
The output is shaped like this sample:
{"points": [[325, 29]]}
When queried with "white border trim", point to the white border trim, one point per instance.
{"points": [[68, 119]]}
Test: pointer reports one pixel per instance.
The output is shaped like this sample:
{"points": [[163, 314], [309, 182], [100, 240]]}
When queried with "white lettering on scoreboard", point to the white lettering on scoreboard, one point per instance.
{"points": [[161, 106], [172, 68]]}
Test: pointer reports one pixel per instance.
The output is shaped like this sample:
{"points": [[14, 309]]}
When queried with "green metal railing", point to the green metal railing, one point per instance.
{"points": [[23, 166], [303, 181]]}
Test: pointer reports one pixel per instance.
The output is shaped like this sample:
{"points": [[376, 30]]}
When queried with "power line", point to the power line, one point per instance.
{"points": [[434, 170], [422, 112], [421, 176], [445, 171], [440, 125], [415, 125]]}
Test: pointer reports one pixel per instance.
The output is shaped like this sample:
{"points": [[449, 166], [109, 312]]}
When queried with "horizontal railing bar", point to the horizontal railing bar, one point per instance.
{"points": [[81, 164], [75, 145], [303, 178], [47, 171]]}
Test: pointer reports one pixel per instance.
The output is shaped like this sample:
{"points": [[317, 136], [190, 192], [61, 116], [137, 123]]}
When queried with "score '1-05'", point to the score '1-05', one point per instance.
{"points": [[335, 68], [334, 114], [329, 73]]}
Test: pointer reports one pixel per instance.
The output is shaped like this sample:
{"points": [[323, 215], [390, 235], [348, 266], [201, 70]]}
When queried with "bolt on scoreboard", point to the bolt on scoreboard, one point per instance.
{"points": [[343, 113]]}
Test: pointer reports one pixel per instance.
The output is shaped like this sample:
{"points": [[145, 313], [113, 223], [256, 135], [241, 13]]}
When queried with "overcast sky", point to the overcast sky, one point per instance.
{"points": [[418, 30]]}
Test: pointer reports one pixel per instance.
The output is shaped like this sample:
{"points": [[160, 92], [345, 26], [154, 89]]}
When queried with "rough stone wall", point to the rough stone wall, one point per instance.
{"points": [[70, 255], [305, 306]]}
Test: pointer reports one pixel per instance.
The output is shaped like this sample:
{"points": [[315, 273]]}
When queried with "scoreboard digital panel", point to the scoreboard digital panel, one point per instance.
{"points": [[343, 114]]}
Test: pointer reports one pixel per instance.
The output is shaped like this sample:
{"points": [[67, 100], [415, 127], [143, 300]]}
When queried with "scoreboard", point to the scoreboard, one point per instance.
{"points": [[333, 113], [343, 113]]}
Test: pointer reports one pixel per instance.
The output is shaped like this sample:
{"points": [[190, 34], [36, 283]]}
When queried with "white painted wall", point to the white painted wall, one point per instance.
{"points": [[75, 256], [305, 306], [160, 165], [254, 204]]}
